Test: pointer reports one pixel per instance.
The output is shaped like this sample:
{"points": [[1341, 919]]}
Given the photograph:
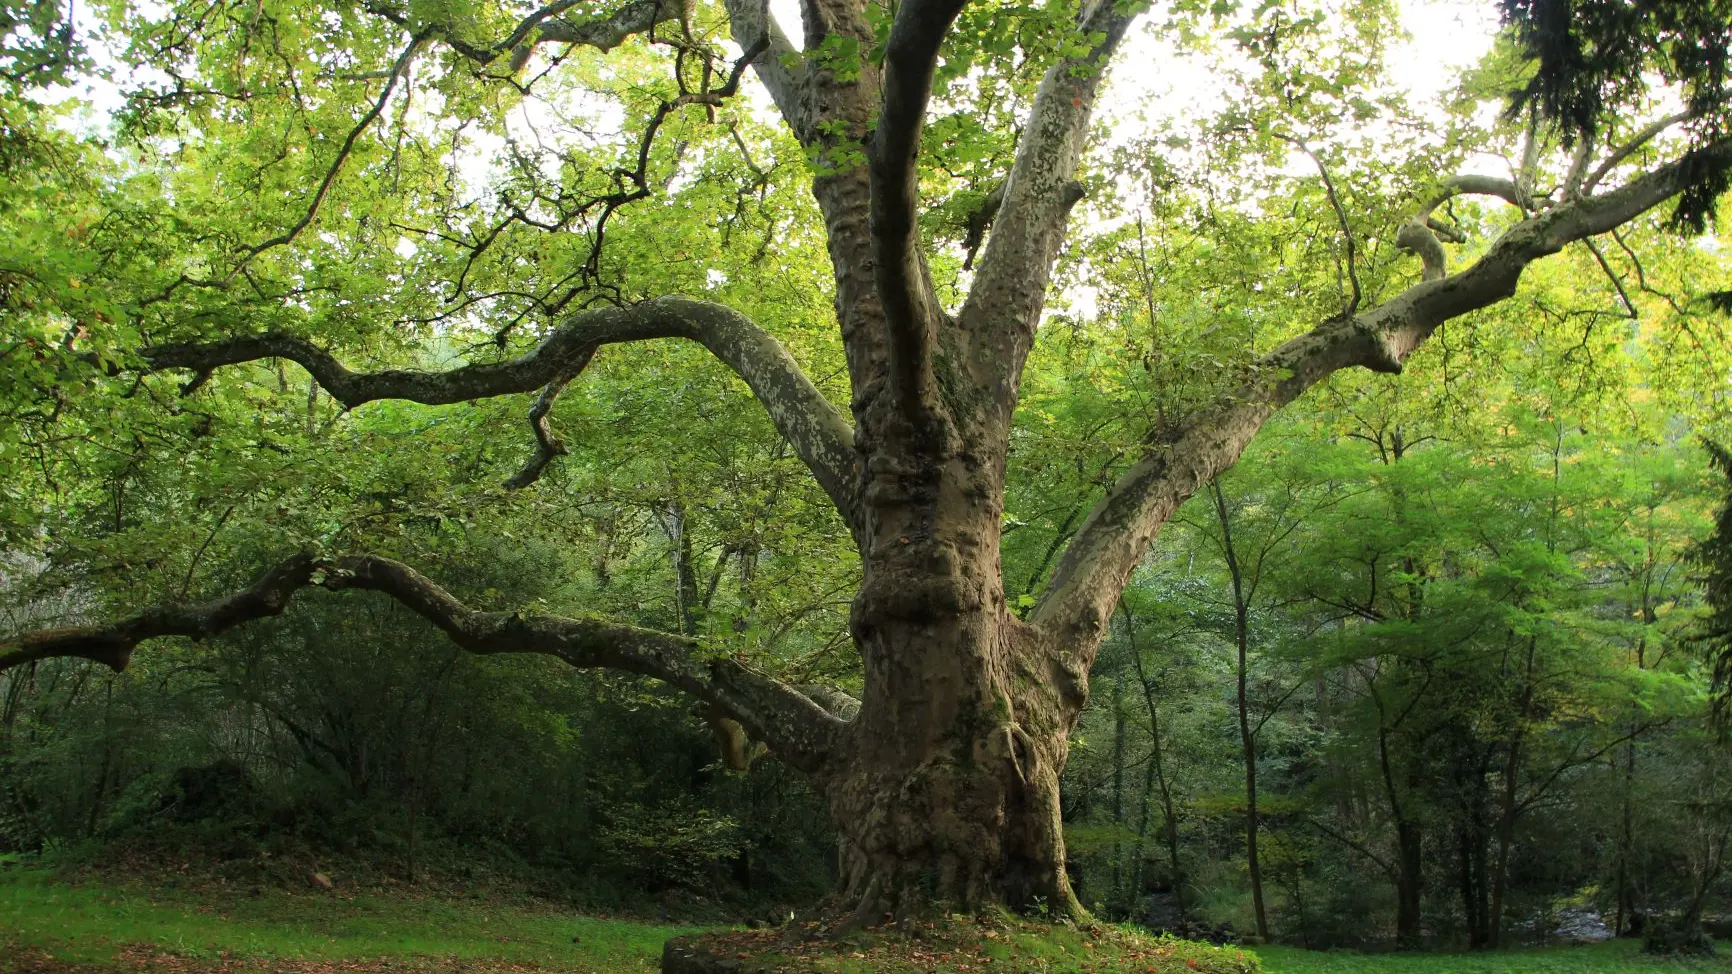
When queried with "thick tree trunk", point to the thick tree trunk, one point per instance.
{"points": [[947, 796]]}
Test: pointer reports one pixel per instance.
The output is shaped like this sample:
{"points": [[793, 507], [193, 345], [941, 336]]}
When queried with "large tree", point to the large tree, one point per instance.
{"points": [[942, 778]]}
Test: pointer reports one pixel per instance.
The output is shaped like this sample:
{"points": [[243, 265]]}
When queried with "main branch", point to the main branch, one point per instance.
{"points": [[1009, 291], [904, 284], [1089, 578], [816, 429], [797, 729]]}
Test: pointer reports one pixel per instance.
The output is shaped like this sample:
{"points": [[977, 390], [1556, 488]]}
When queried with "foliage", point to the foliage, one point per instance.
{"points": [[1466, 602], [1611, 958], [1715, 557]]}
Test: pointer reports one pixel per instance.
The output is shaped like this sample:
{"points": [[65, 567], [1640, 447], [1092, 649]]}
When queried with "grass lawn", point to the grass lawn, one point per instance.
{"points": [[47, 923], [57, 925]]}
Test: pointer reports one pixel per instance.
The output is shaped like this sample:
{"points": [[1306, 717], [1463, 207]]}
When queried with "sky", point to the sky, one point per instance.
{"points": [[1446, 36]]}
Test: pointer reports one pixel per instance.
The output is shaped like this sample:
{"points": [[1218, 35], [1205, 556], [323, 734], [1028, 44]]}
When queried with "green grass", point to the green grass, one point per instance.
{"points": [[1617, 957], [86, 921], [969, 945]]}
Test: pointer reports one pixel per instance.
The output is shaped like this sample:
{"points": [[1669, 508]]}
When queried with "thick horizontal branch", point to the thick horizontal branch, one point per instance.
{"points": [[797, 729], [546, 25], [816, 429], [1089, 578]]}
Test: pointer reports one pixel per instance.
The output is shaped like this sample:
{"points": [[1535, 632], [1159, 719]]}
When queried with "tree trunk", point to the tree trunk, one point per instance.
{"points": [[1508, 811], [945, 790], [1626, 842], [947, 797], [1247, 736], [1409, 883], [1118, 893], [1157, 772]]}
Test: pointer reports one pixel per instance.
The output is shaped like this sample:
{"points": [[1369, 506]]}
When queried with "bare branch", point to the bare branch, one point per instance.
{"points": [[1118, 531], [816, 429], [348, 146], [1646, 135], [798, 730], [547, 444], [1340, 216], [1612, 275]]}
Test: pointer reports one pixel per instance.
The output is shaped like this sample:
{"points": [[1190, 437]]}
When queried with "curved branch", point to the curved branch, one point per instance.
{"points": [[288, 236], [546, 25], [548, 445], [798, 730], [1341, 218], [603, 33], [1092, 573], [1474, 185], [1419, 234], [816, 429]]}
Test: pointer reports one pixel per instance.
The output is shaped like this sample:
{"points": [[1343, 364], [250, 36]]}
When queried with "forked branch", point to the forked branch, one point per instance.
{"points": [[798, 730]]}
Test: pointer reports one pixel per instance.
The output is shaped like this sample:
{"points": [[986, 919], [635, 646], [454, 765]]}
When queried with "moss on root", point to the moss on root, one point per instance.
{"points": [[951, 946]]}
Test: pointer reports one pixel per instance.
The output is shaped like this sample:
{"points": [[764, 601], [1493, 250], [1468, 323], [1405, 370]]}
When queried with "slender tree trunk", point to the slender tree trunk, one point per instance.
{"points": [[1118, 785], [1627, 813], [1509, 808], [1626, 842], [1409, 883], [1248, 743], [1157, 769], [1410, 847], [1506, 823], [1247, 737]]}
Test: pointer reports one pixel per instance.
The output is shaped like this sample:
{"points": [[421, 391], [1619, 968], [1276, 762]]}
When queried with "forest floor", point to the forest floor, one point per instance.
{"points": [[53, 924]]}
